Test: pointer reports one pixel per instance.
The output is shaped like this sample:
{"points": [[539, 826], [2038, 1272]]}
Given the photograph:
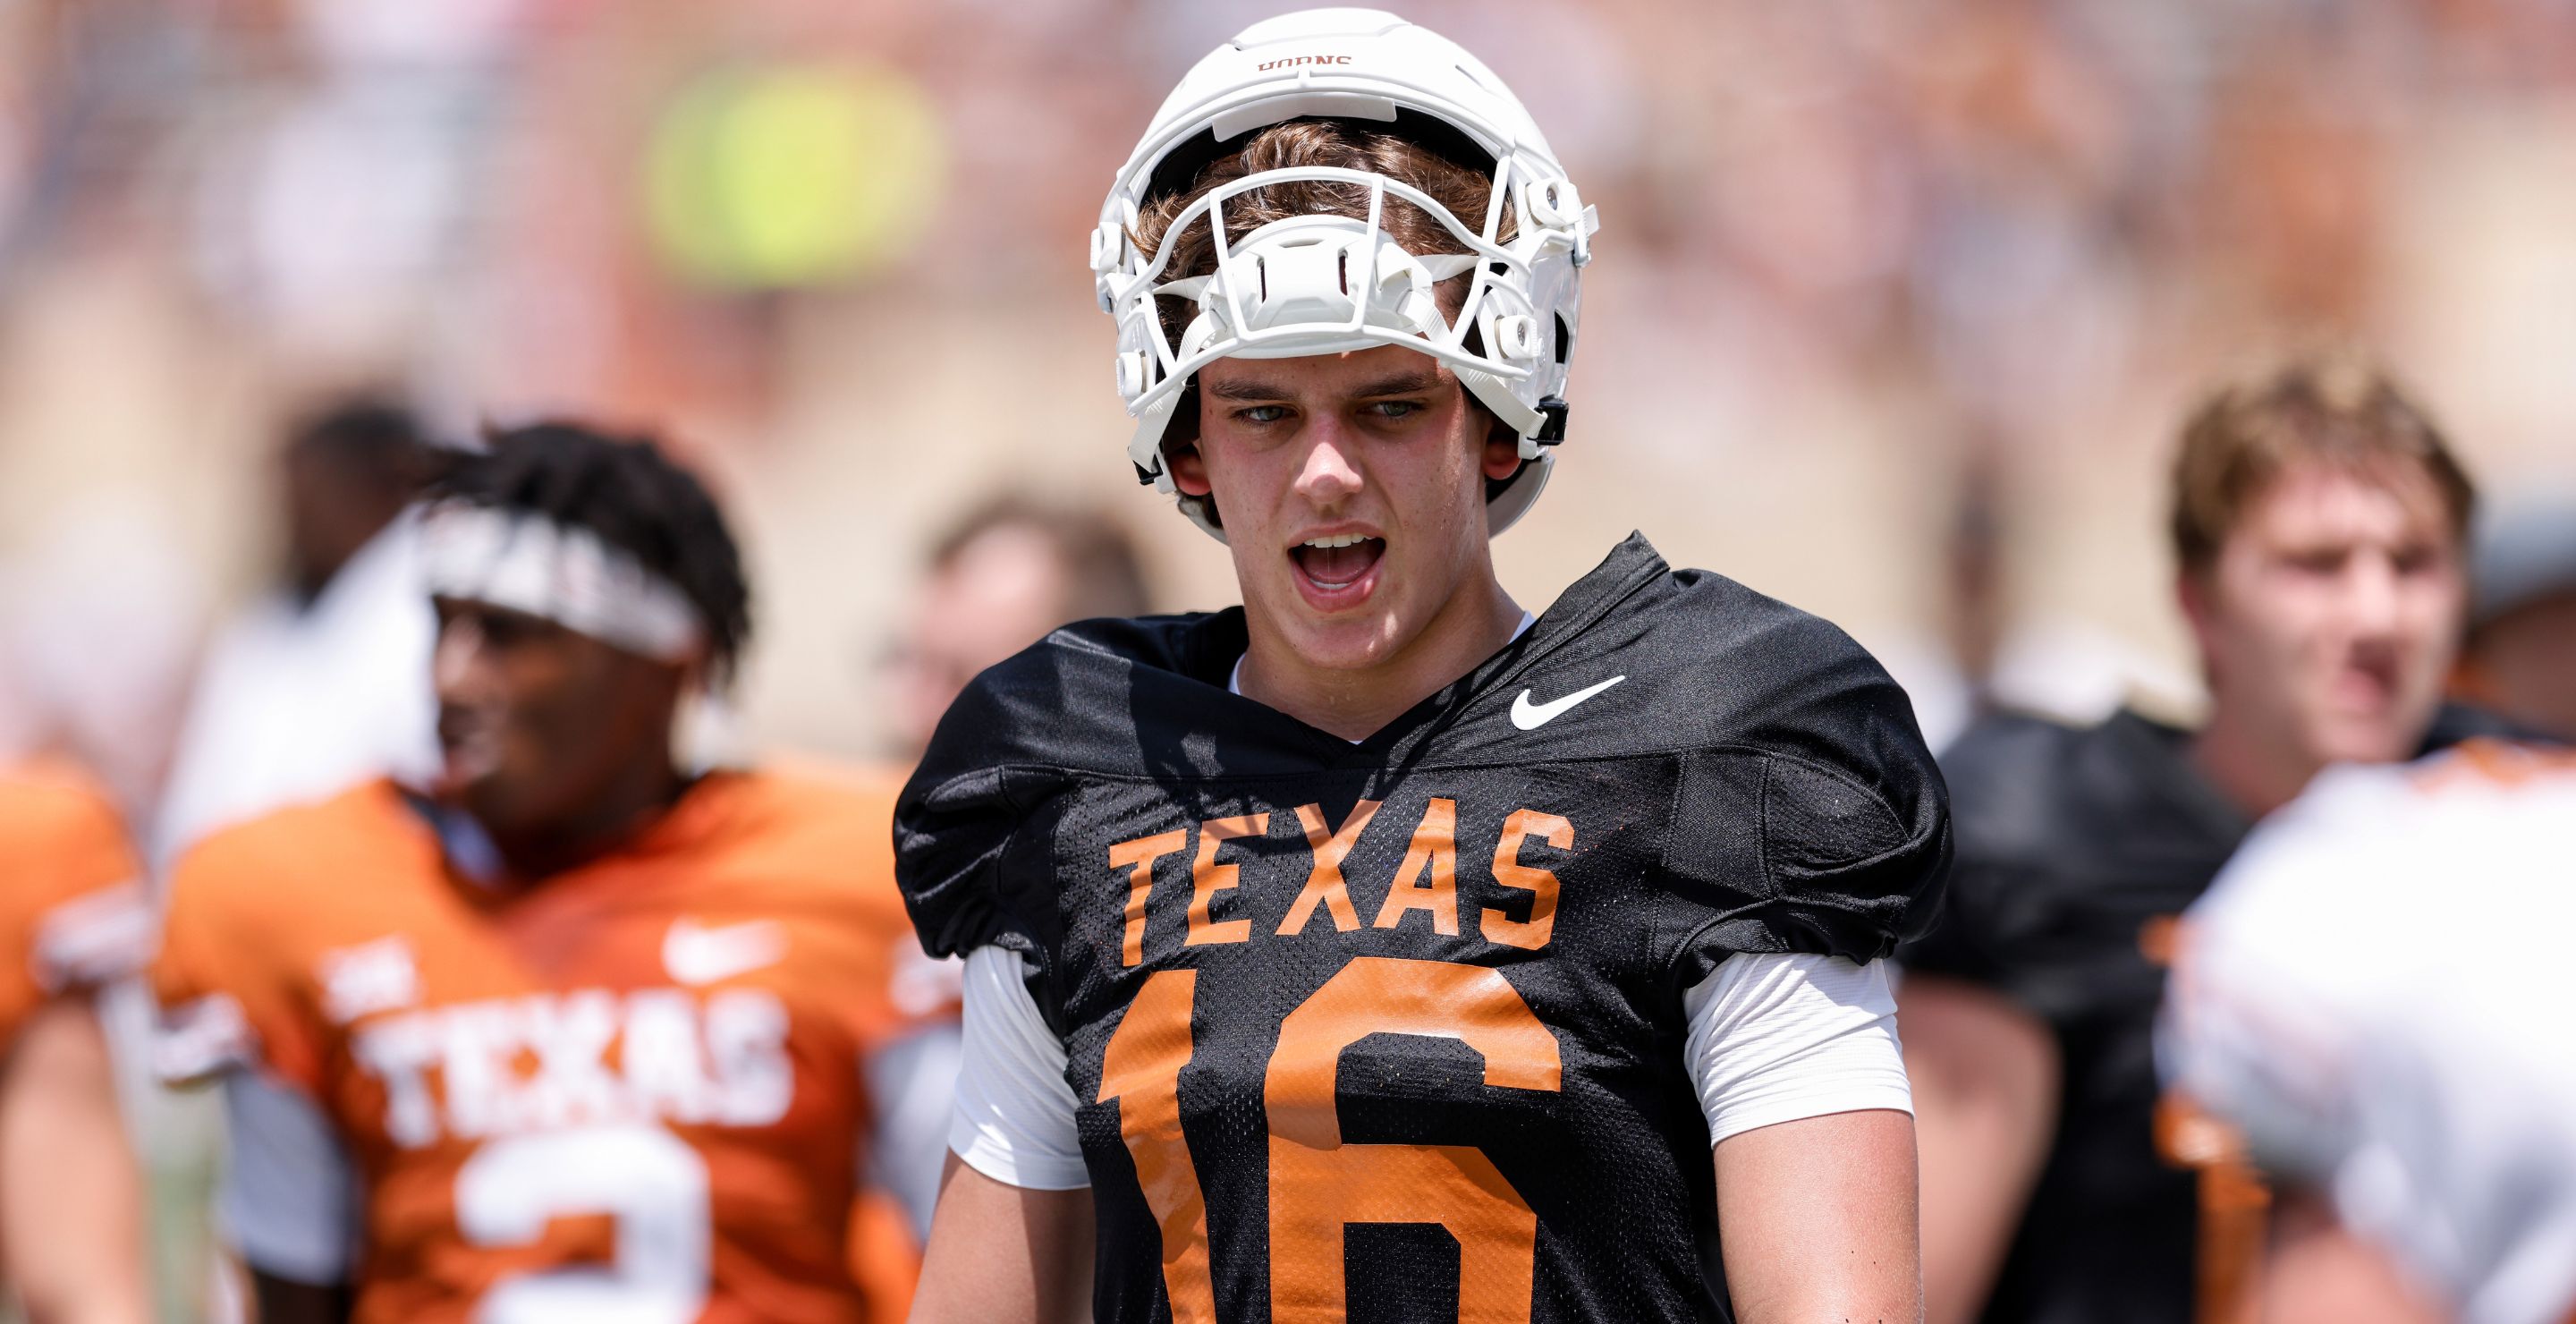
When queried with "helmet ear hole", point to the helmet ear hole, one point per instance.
{"points": [[1179, 435], [1183, 430]]}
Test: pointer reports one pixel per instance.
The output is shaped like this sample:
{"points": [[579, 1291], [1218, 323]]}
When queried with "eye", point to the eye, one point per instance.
{"points": [[2318, 560], [1259, 414], [510, 629], [2418, 560], [1394, 409]]}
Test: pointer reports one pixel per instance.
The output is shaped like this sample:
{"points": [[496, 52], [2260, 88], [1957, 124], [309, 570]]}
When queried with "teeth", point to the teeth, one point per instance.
{"points": [[1338, 540]]}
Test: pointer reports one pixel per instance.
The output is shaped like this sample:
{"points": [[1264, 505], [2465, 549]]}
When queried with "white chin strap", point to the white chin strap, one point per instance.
{"points": [[521, 561]]}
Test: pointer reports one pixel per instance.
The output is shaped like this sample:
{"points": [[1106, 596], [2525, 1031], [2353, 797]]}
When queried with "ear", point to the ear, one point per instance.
{"points": [[1188, 467], [1502, 456], [2196, 593]]}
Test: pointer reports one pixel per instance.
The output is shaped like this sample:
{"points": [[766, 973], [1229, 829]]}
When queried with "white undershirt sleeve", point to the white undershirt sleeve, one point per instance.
{"points": [[1015, 1112], [1775, 1037], [290, 1194]]}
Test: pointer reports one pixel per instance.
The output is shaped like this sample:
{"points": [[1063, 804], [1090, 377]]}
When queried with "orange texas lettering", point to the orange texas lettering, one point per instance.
{"points": [[1238, 888]]}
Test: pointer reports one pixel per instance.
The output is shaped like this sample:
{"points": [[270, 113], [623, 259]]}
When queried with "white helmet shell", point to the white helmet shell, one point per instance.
{"points": [[1326, 283]]}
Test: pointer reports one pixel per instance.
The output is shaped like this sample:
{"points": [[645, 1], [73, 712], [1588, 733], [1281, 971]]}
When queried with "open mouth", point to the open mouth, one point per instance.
{"points": [[2365, 688], [1337, 570], [470, 744]]}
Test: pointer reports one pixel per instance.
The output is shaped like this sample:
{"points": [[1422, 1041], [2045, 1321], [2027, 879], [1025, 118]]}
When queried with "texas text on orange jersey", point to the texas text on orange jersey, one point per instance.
{"points": [[632, 1090], [72, 908]]}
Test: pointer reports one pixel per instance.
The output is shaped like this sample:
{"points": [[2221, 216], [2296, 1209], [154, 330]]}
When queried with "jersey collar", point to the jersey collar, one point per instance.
{"points": [[1215, 652]]}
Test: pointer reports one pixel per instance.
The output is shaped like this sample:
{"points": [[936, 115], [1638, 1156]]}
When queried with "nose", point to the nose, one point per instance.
{"points": [[2371, 596], [1330, 473], [455, 664]]}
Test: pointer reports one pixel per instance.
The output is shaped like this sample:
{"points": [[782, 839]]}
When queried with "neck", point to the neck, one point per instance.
{"points": [[641, 791], [2255, 771], [1354, 702]]}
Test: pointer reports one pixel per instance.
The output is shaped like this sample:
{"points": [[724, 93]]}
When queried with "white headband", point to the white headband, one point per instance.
{"points": [[524, 562]]}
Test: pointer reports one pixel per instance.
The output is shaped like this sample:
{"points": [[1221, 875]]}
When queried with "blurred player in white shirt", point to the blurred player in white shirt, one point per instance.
{"points": [[2352, 994], [322, 682]]}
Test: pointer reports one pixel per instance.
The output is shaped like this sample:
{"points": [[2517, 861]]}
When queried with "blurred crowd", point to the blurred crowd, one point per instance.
{"points": [[1897, 309], [1914, 274]]}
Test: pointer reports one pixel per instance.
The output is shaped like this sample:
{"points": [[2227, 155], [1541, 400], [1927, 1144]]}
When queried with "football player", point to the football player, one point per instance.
{"points": [[1008, 571], [2340, 996], [1376, 949], [582, 1034], [2318, 520], [2520, 657], [72, 917]]}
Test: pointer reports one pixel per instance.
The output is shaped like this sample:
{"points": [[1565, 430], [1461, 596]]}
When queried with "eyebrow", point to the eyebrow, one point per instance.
{"points": [[1403, 383]]}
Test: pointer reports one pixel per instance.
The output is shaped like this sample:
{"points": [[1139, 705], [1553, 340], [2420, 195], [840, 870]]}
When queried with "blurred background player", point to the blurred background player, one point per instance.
{"points": [[2319, 525], [323, 679], [1005, 573], [2351, 995], [72, 917], [2520, 659], [1001, 576], [586, 1032]]}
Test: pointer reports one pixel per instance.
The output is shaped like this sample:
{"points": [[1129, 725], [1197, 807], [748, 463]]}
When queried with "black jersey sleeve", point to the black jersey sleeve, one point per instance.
{"points": [[965, 858], [1815, 820]]}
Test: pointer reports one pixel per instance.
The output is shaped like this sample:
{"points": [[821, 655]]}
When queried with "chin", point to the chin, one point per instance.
{"points": [[492, 804], [1344, 643], [2377, 738]]}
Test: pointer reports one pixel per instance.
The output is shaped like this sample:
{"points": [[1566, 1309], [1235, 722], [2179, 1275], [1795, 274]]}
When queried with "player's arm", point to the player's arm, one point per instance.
{"points": [[70, 1204], [288, 1198], [1817, 1219], [1800, 1079], [1012, 1239], [2319, 1272], [1005, 1253], [1985, 1077]]}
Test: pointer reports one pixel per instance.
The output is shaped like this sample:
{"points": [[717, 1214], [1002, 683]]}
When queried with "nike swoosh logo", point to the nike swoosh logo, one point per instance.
{"points": [[695, 954], [1530, 716]]}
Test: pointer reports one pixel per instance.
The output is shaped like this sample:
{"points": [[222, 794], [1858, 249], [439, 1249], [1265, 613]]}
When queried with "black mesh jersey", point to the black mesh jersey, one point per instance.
{"points": [[2071, 842], [1393, 1030]]}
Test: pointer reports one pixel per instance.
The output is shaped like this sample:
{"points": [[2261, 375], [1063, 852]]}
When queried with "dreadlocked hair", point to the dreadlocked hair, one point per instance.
{"points": [[636, 499]]}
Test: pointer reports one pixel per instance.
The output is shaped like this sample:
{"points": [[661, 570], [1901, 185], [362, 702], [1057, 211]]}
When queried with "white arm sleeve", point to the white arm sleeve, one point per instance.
{"points": [[290, 1194], [1014, 1118], [1778, 1037]]}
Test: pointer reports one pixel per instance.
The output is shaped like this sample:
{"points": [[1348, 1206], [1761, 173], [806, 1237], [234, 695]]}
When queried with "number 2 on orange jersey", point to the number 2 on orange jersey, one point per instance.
{"points": [[1318, 1184], [650, 1180]]}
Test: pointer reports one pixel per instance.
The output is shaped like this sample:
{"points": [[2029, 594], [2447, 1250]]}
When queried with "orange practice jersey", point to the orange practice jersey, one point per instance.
{"points": [[632, 1091], [72, 908]]}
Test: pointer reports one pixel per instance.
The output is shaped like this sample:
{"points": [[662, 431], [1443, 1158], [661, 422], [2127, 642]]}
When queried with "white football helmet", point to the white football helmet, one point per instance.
{"points": [[1325, 283]]}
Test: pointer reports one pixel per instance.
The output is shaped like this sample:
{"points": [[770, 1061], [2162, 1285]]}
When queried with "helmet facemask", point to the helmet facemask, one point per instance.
{"points": [[1329, 283], [1300, 258]]}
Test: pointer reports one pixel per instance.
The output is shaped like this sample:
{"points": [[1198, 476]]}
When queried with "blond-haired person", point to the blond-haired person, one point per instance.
{"points": [[2318, 521]]}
